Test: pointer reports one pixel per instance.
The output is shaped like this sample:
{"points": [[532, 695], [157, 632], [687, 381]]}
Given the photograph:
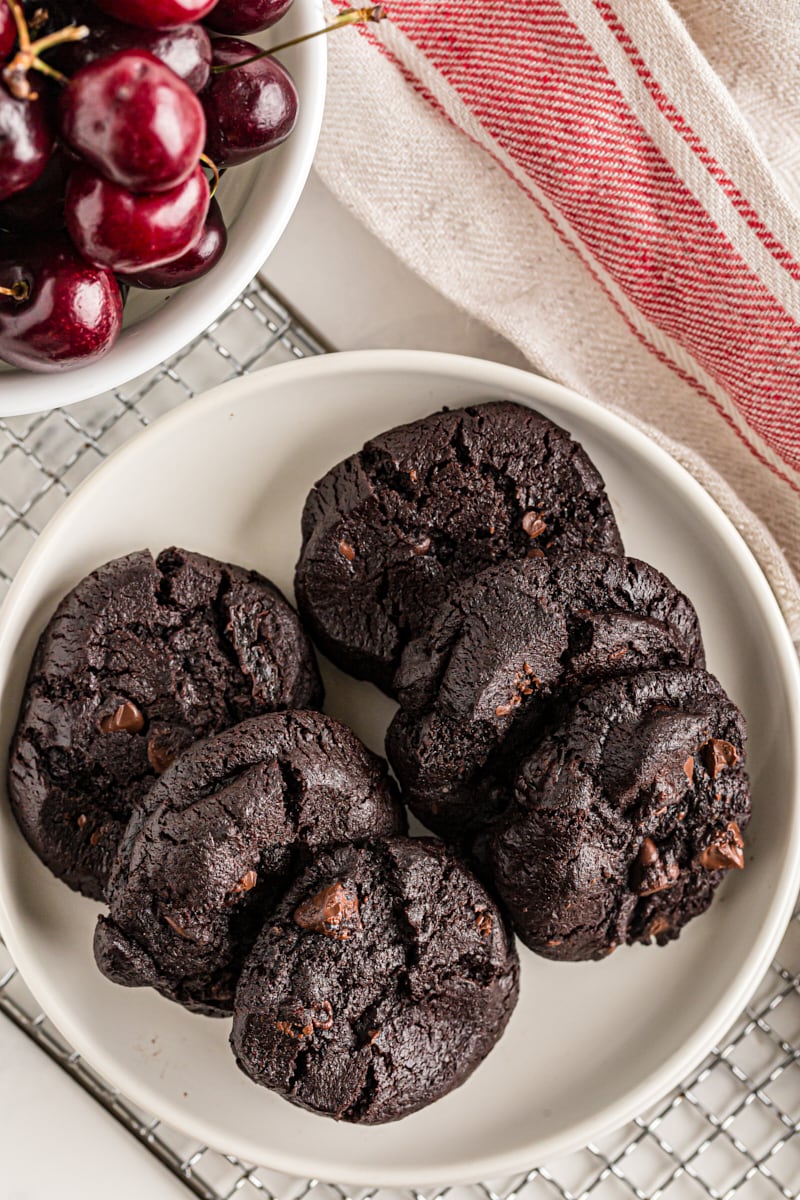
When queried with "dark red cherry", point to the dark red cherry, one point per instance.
{"points": [[8, 31], [40, 206], [134, 121], [249, 109], [186, 50], [25, 142], [130, 232], [246, 16], [195, 263], [157, 14], [73, 312]]}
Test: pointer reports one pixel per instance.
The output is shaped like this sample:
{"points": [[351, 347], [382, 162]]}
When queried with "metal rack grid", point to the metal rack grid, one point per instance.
{"points": [[732, 1130]]}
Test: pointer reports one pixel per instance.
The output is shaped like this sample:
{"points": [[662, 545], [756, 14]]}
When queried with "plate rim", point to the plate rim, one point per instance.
{"points": [[497, 378]]}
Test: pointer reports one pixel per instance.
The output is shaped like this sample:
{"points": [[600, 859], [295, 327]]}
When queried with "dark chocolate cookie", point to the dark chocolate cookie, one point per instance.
{"points": [[475, 688], [626, 817], [382, 980], [140, 659], [387, 532], [218, 837]]}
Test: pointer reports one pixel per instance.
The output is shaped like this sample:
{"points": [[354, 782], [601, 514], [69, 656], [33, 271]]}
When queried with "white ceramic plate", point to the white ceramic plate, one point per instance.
{"points": [[589, 1045], [257, 200]]}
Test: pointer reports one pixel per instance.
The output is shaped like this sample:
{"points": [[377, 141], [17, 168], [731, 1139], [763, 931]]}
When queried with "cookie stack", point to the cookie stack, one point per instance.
{"points": [[556, 729], [168, 759], [556, 721]]}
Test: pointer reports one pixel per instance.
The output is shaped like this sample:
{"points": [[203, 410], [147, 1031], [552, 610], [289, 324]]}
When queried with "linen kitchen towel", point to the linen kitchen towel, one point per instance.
{"points": [[614, 186]]}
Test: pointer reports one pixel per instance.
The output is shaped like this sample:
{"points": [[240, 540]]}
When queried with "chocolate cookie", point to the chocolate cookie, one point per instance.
{"points": [[140, 659], [626, 817], [218, 837], [387, 532], [475, 688], [382, 980]]}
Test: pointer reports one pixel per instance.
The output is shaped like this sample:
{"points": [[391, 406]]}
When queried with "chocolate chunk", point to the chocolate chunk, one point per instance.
{"points": [[649, 874], [179, 929], [717, 755], [295, 1029], [657, 878], [658, 926], [165, 743], [648, 853], [533, 524], [485, 924], [725, 851], [127, 718], [245, 884], [332, 912], [305, 1021], [158, 757]]}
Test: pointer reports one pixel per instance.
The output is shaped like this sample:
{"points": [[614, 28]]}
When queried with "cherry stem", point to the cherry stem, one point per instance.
{"points": [[72, 33], [212, 166], [38, 21], [27, 56], [23, 34], [18, 291], [350, 16]]}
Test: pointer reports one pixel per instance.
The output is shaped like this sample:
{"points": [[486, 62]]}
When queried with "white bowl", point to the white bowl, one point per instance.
{"points": [[257, 199], [590, 1045]]}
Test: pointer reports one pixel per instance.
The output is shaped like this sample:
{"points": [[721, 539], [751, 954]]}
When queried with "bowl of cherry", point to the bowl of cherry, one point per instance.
{"points": [[151, 155]]}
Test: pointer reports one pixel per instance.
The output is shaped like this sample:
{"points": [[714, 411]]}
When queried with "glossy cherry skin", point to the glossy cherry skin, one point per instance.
{"points": [[41, 206], [248, 110], [246, 16], [190, 266], [157, 14], [8, 31], [127, 232], [134, 121], [25, 142], [72, 316], [186, 50]]}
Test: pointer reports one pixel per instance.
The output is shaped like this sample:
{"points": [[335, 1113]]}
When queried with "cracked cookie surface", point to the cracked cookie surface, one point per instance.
{"points": [[142, 658], [390, 530], [382, 980], [626, 818], [218, 837], [475, 688]]}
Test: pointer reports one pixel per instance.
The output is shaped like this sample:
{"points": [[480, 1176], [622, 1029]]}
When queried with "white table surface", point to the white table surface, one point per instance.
{"points": [[54, 1140]]}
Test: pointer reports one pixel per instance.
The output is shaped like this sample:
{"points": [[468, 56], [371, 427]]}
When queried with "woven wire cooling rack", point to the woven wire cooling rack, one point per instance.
{"points": [[732, 1130]]}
